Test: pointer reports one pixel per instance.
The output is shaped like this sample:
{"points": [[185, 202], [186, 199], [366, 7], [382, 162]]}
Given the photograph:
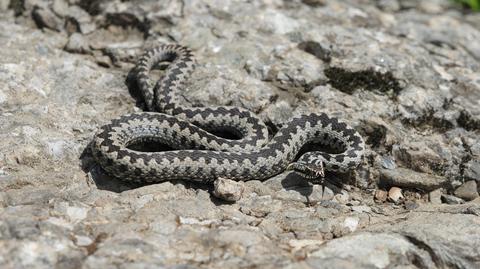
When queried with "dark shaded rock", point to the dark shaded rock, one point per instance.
{"points": [[44, 18], [452, 200], [79, 20], [316, 50], [314, 3], [17, 6], [93, 7], [124, 19], [467, 121]]}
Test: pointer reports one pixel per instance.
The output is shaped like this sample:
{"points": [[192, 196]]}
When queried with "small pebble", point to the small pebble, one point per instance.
{"points": [[56, 148], [467, 191], [77, 44], [76, 214], [342, 198], [351, 223], [299, 244], [395, 195], [388, 163], [410, 205], [381, 196], [82, 241], [228, 190], [435, 197]]}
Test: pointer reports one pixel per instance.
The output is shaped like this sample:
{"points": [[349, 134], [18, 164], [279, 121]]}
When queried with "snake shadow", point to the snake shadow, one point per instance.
{"points": [[88, 164], [288, 181], [103, 181], [134, 90], [332, 182]]}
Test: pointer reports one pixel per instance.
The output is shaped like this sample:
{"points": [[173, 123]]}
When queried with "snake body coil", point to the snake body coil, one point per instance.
{"points": [[199, 154]]}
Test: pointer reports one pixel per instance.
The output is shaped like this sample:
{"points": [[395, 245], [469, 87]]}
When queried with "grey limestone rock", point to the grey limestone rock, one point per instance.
{"points": [[467, 191], [411, 179], [402, 73], [228, 190]]}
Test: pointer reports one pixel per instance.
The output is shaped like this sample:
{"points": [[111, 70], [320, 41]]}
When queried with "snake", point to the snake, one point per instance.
{"points": [[195, 147]]}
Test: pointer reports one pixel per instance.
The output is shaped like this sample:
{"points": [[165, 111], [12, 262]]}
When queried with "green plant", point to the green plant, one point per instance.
{"points": [[472, 4]]}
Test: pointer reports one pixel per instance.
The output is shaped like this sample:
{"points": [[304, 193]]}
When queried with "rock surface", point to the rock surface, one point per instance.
{"points": [[405, 74], [228, 190], [468, 190]]}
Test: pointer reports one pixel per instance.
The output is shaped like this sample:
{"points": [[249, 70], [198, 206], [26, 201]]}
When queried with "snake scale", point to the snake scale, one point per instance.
{"points": [[196, 152]]}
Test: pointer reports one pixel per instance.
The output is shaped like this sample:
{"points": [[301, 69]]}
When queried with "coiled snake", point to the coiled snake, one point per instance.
{"points": [[198, 154]]}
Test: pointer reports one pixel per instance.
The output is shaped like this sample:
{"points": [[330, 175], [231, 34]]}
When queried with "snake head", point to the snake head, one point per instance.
{"points": [[308, 171]]}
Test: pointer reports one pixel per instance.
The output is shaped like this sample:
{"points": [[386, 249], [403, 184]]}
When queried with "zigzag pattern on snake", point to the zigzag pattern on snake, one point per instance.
{"points": [[199, 154]]}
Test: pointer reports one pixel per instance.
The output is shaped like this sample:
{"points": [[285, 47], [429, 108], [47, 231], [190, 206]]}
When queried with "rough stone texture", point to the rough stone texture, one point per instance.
{"points": [[411, 179], [452, 200], [404, 73], [472, 170], [395, 195], [468, 190], [435, 197], [77, 44], [228, 190], [422, 240]]}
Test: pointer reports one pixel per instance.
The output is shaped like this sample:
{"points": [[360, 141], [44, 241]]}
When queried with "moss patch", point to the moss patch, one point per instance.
{"points": [[348, 81]]}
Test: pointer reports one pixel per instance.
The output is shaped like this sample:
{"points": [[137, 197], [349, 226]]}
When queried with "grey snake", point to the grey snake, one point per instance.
{"points": [[196, 152]]}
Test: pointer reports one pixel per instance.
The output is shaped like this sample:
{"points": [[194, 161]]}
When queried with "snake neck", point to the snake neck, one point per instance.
{"points": [[227, 122], [161, 96]]}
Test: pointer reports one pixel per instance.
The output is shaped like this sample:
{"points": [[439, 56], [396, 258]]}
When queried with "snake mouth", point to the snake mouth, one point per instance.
{"points": [[308, 171]]}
